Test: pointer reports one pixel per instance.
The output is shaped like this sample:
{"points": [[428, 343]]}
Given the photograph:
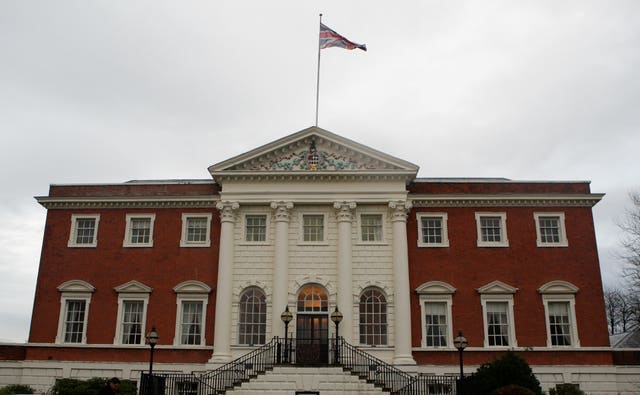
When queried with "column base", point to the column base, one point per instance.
{"points": [[406, 360], [219, 358]]}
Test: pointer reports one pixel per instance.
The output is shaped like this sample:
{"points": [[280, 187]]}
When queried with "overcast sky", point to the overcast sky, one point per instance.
{"points": [[109, 91]]}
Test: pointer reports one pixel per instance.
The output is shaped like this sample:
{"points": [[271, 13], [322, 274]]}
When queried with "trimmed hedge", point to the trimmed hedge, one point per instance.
{"points": [[90, 387], [16, 389]]}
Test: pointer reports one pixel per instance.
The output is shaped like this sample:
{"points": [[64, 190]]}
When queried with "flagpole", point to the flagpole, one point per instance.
{"points": [[318, 74]]}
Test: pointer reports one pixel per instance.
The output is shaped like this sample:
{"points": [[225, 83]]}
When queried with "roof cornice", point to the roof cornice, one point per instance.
{"points": [[505, 200], [127, 202]]}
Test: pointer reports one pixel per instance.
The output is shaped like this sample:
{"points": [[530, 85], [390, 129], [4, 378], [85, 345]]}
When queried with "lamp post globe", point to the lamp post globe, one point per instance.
{"points": [[461, 343], [152, 340]]}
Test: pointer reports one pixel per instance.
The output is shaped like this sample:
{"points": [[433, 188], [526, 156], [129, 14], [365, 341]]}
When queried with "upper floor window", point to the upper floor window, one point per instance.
{"points": [[550, 230], [492, 229], [74, 311], [432, 230], [497, 306], [139, 230], [255, 228], [313, 228], [373, 317], [558, 298], [371, 227], [84, 230], [191, 322], [133, 298], [252, 323], [196, 230], [436, 323], [435, 309], [192, 300]]}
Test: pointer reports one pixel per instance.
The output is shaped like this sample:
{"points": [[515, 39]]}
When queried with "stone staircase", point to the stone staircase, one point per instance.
{"points": [[286, 380]]}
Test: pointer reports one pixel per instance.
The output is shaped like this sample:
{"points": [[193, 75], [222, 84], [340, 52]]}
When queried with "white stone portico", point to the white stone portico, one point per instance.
{"points": [[314, 172]]}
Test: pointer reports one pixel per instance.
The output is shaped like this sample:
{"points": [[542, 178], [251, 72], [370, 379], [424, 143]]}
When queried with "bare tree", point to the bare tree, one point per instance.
{"points": [[612, 303], [630, 253]]}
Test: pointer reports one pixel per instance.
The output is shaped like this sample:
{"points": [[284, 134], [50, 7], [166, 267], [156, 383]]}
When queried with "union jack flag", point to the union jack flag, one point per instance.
{"points": [[329, 38]]}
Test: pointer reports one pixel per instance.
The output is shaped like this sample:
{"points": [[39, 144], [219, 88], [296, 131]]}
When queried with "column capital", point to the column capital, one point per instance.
{"points": [[281, 210], [227, 209], [345, 211], [399, 210]]}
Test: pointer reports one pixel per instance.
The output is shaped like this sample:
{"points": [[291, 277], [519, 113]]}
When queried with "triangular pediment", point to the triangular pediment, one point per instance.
{"points": [[313, 150], [497, 287], [133, 286]]}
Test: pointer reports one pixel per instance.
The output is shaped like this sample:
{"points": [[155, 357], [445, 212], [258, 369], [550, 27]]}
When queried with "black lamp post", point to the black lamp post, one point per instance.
{"points": [[460, 343], [152, 340], [336, 317], [286, 317]]}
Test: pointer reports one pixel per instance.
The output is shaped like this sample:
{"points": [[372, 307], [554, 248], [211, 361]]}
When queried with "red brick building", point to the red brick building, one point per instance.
{"points": [[312, 222]]}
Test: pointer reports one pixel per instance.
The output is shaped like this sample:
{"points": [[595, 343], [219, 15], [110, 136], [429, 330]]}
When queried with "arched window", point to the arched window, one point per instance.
{"points": [[313, 298], [252, 323], [373, 317]]}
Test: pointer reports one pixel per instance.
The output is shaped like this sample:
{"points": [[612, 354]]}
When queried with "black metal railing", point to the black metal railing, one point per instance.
{"points": [[371, 369], [427, 384], [297, 352]]}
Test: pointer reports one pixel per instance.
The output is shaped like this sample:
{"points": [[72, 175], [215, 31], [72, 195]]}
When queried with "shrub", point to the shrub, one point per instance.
{"points": [[90, 387], [510, 369], [566, 389], [513, 390], [16, 389]]}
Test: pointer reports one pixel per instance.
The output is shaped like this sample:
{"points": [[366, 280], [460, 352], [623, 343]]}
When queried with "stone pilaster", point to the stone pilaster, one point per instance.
{"points": [[402, 317], [282, 211], [344, 216], [224, 291]]}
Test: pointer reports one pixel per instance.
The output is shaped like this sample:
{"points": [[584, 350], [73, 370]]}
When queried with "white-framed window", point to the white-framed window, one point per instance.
{"points": [[558, 298], [313, 228], [550, 230], [252, 320], [255, 228], [74, 311], [432, 230], [196, 230], [373, 317], [191, 313], [139, 230], [187, 388], [492, 229], [435, 314], [84, 230], [133, 298], [371, 227], [497, 313]]}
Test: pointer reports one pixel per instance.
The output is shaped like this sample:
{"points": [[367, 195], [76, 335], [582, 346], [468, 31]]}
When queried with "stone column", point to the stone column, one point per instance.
{"points": [[402, 318], [224, 291], [280, 265], [344, 270]]}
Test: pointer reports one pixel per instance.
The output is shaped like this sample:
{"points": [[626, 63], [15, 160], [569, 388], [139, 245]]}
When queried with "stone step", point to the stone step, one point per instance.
{"points": [[286, 380]]}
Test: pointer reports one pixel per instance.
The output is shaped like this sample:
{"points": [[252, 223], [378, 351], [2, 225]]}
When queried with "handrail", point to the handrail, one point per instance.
{"points": [[276, 352], [372, 369]]}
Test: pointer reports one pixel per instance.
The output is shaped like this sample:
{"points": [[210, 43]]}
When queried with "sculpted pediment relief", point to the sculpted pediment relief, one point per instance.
{"points": [[311, 150]]}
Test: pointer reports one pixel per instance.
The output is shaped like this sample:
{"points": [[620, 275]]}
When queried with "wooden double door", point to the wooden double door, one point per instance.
{"points": [[312, 339]]}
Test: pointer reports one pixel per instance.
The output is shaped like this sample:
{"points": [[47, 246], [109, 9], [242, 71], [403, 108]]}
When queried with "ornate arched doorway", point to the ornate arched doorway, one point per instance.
{"points": [[312, 325]]}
